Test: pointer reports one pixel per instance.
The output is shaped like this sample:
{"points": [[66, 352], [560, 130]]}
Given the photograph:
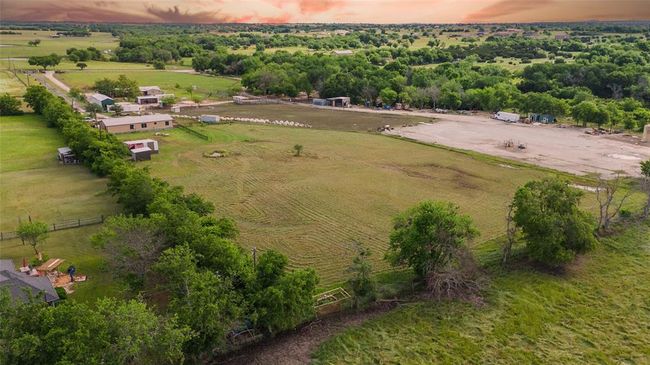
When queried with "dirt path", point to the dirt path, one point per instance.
{"points": [[49, 75], [296, 347]]}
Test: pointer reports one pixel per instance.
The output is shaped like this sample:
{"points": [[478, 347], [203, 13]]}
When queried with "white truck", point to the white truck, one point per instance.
{"points": [[507, 117]]}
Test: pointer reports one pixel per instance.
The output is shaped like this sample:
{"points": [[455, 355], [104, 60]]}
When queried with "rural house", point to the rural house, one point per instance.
{"points": [[100, 99], [21, 285], [137, 123]]}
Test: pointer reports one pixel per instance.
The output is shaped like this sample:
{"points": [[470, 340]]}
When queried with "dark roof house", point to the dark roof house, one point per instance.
{"points": [[21, 285]]}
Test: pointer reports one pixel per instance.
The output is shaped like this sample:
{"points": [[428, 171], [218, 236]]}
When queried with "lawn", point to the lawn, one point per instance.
{"points": [[171, 82], [345, 188], [32, 183], [597, 313], [317, 118]]}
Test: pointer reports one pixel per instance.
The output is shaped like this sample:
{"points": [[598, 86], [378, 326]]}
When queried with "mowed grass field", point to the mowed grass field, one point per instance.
{"points": [[32, 183], [317, 118], [344, 189], [596, 313], [15, 45], [170, 82], [9, 84]]}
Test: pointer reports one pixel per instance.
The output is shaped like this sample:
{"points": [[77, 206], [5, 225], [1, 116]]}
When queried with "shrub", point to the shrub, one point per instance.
{"points": [[9, 105], [554, 228]]}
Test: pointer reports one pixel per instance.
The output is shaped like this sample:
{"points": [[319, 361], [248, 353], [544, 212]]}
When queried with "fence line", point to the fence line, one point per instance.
{"points": [[193, 132], [58, 226]]}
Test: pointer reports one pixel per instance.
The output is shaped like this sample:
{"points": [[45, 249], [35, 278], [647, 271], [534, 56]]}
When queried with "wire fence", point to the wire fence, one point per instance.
{"points": [[58, 226], [193, 132]]}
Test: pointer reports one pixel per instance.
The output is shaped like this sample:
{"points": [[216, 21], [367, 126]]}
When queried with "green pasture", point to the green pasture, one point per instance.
{"points": [[345, 188], [15, 45], [595, 313]]}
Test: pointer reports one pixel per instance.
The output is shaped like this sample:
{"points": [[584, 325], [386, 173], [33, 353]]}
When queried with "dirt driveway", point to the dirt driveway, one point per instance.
{"points": [[566, 149]]}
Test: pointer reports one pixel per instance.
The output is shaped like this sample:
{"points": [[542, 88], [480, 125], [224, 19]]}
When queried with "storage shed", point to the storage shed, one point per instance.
{"points": [[339, 101], [542, 118], [507, 117], [100, 99], [141, 154], [137, 123], [150, 90], [139, 143]]}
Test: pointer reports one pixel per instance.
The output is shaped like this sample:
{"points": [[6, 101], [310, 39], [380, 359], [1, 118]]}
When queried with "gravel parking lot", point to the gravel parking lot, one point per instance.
{"points": [[567, 149]]}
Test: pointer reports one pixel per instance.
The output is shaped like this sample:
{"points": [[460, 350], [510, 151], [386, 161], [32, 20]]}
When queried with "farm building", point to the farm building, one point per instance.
{"points": [[66, 156], [21, 285], [137, 123], [507, 117], [542, 118], [150, 90], [100, 99], [210, 119], [128, 108], [340, 101]]}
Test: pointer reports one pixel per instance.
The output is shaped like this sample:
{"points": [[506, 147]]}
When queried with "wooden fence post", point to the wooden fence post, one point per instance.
{"points": [[54, 226], [78, 222]]}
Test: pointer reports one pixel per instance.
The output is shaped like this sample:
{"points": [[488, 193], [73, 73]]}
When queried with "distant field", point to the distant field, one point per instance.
{"points": [[13, 45], [317, 118], [22, 64], [9, 84], [171, 82], [33, 183], [595, 314], [346, 187]]}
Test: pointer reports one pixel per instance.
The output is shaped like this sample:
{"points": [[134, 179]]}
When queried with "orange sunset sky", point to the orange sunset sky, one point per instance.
{"points": [[327, 11]]}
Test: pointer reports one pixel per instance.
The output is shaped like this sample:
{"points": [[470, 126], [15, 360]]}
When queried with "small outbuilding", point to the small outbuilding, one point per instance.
{"points": [[320, 102], [100, 99], [210, 118], [542, 118], [129, 108], [141, 154], [339, 101], [66, 156], [152, 144], [150, 90], [137, 123]]}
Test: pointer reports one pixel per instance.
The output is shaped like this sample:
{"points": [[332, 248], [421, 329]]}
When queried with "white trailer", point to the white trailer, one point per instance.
{"points": [[207, 118], [507, 117]]}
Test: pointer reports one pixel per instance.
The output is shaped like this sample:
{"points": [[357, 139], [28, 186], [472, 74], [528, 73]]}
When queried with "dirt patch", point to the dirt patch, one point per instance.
{"points": [[295, 347], [564, 149]]}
